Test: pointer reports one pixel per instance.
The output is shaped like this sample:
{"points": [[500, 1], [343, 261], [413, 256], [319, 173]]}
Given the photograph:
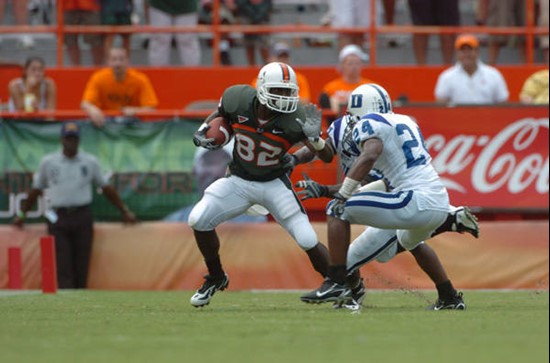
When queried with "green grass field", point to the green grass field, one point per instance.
{"points": [[264, 327]]}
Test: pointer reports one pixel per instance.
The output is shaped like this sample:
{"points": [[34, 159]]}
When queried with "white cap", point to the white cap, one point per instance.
{"points": [[352, 49], [281, 48]]}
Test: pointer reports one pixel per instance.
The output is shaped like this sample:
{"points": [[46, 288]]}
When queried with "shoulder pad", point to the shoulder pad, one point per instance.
{"points": [[237, 97]]}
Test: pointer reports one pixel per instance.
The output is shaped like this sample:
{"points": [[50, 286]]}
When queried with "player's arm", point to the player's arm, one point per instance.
{"points": [[370, 151]]}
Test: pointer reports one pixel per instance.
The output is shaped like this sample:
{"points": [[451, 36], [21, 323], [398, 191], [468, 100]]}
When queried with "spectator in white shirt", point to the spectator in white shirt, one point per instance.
{"points": [[470, 81]]}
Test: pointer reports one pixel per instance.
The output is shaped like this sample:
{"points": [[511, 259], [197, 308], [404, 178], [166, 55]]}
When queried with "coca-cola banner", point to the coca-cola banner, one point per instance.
{"points": [[491, 157]]}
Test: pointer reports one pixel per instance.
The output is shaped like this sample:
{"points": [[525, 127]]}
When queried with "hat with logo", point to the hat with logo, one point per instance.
{"points": [[70, 129], [466, 40], [352, 49]]}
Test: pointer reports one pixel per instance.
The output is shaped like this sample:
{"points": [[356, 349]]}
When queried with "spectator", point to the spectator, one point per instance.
{"points": [[21, 15], [66, 177], [334, 94], [116, 12], [178, 13], [350, 14], [255, 12], [281, 53], [117, 88], [83, 12], [470, 81], [434, 12], [501, 13], [33, 91], [535, 89], [227, 8]]}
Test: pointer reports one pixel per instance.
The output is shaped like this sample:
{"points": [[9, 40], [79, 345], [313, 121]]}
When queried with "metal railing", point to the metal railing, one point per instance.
{"points": [[530, 31]]}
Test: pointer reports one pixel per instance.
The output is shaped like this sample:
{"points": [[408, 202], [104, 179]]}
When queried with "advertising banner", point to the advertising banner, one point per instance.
{"points": [[149, 164], [491, 157]]}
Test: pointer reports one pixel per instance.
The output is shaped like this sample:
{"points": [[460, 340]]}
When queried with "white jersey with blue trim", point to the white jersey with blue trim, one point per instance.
{"points": [[405, 162]]}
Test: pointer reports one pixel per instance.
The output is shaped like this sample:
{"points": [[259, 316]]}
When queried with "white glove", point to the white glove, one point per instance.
{"points": [[311, 126]]}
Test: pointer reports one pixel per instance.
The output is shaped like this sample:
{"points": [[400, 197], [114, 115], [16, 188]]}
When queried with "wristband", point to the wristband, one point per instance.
{"points": [[318, 145], [348, 187]]}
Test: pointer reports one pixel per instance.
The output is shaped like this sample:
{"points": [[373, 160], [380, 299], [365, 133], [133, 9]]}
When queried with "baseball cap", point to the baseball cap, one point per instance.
{"points": [[70, 129], [281, 48], [352, 49], [466, 39]]}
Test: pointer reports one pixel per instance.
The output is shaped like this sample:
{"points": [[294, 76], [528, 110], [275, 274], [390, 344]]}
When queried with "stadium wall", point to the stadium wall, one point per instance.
{"points": [[161, 256], [178, 86]]}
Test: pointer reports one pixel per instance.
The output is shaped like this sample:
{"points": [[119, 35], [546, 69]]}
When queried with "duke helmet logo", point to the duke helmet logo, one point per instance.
{"points": [[356, 101]]}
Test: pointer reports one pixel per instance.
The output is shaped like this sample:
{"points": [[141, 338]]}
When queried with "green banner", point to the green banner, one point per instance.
{"points": [[149, 163]]}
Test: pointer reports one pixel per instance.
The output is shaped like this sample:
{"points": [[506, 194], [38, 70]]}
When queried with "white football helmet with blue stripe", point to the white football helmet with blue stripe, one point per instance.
{"points": [[368, 98]]}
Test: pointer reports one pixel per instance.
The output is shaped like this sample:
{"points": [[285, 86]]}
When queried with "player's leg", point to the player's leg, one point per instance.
{"points": [[224, 199], [285, 207], [448, 297], [460, 220]]}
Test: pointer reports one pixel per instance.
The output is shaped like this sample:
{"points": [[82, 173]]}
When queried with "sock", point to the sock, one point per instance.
{"points": [[446, 291], [215, 267], [337, 274]]}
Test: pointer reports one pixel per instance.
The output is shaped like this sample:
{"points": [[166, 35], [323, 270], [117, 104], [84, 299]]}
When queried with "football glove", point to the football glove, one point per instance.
{"points": [[312, 189], [311, 126], [199, 138], [337, 205], [288, 162]]}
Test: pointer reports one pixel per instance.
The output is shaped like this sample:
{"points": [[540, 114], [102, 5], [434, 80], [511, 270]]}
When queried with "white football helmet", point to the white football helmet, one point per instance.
{"points": [[278, 76], [368, 98]]}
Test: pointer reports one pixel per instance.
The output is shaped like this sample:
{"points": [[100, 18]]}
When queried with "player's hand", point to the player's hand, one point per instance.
{"points": [[337, 205], [199, 138], [129, 217], [311, 126], [288, 162], [312, 189]]}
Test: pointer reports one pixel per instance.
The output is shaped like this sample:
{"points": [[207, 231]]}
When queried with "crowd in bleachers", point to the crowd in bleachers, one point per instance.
{"points": [[194, 47], [34, 91]]}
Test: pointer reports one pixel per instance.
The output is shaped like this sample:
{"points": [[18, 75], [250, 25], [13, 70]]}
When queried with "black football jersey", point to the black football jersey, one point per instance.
{"points": [[259, 144]]}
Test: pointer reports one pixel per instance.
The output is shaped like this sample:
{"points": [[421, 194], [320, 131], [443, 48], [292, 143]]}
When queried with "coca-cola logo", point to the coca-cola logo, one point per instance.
{"points": [[515, 158]]}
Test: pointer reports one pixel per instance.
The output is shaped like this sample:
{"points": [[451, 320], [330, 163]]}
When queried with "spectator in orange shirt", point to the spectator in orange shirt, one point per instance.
{"points": [[117, 88], [335, 94], [83, 12], [281, 53]]}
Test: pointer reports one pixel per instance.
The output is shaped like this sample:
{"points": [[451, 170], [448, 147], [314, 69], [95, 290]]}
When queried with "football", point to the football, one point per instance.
{"points": [[220, 130]]}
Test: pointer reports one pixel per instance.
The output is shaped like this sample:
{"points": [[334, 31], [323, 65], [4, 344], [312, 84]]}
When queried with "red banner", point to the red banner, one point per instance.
{"points": [[490, 157]]}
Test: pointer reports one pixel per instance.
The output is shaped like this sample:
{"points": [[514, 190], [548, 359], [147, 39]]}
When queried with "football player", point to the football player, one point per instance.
{"points": [[266, 122], [408, 205]]}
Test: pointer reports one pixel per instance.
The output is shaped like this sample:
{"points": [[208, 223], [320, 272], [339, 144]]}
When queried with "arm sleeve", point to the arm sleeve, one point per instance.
{"points": [[97, 177], [502, 92], [39, 179], [91, 92], [148, 97], [442, 90], [369, 127]]}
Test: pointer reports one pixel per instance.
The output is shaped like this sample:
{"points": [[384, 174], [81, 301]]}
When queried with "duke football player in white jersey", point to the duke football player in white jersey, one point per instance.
{"points": [[388, 145]]}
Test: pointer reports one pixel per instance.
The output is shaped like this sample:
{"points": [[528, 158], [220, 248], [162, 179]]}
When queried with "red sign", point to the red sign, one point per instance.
{"points": [[494, 157]]}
